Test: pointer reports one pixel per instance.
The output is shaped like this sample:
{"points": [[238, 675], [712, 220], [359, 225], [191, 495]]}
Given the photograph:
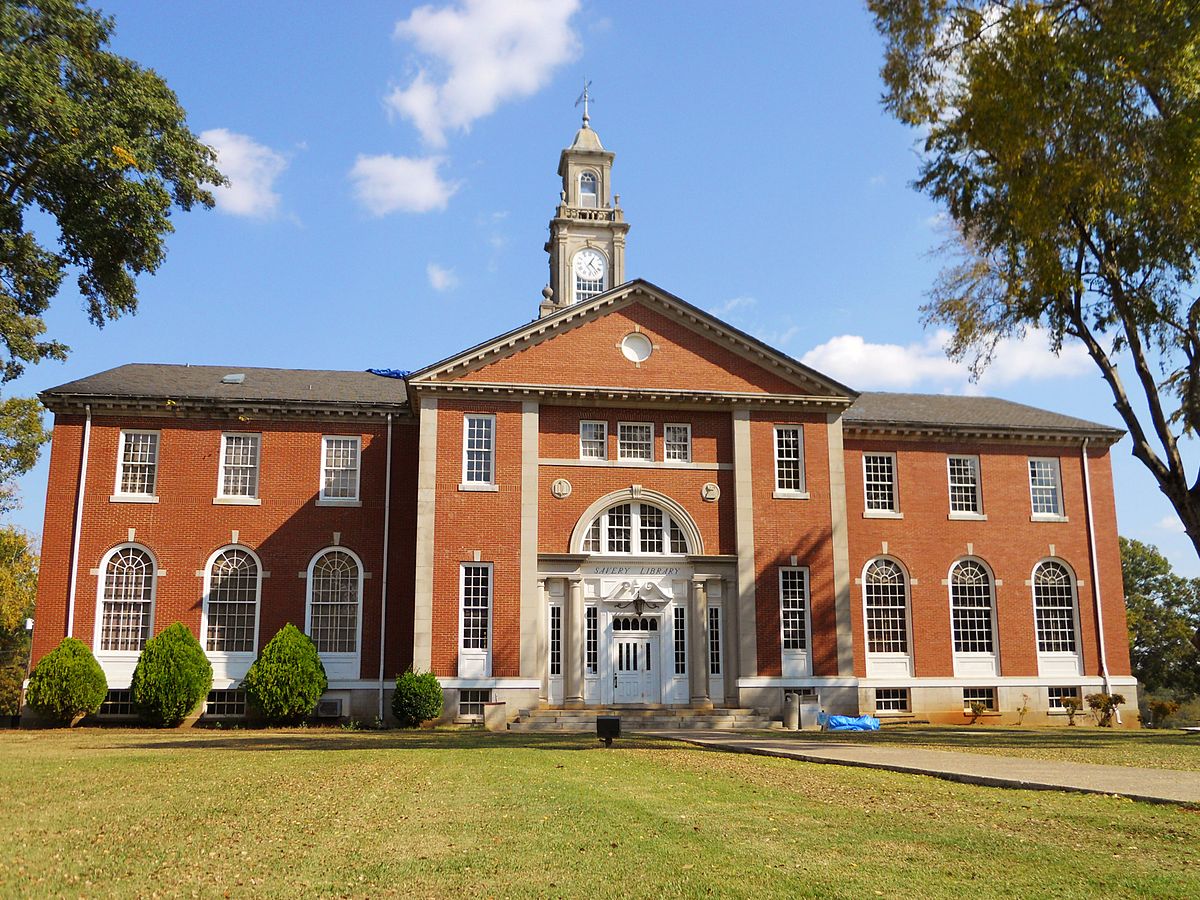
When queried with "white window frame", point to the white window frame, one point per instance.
{"points": [[122, 496], [621, 457], [595, 179], [102, 576], [476, 662], [635, 532], [894, 511], [340, 665], [356, 500], [888, 663], [974, 515], [240, 499], [796, 663], [687, 458], [491, 484], [781, 493], [604, 426], [904, 695], [1056, 468], [974, 663], [1058, 663], [248, 655]]}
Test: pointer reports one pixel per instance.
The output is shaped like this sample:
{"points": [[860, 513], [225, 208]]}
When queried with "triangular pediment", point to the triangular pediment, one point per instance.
{"points": [[585, 346]]}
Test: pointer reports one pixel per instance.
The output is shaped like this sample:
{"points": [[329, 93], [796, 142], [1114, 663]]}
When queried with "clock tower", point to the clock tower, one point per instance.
{"points": [[587, 233]]}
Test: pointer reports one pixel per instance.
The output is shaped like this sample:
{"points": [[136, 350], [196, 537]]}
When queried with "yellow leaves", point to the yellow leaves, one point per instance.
{"points": [[126, 158]]}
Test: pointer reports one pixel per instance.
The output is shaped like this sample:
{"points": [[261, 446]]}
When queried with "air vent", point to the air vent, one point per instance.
{"points": [[233, 378], [329, 709]]}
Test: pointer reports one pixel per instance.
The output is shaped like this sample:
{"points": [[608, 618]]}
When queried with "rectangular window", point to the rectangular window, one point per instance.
{"points": [[1058, 694], [677, 443], [714, 640], [137, 465], [964, 484], [620, 529], [679, 633], [479, 449], [891, 700], [986, 696], [1045, 491], [635, 440], [226, 704], [118, 703], [556, 640], [593, 440], [239, 465], [470, 702], [789, 458], [793, 603], [879, 481], [476, 605], [339, 467], [591, 640], [650, 529]]}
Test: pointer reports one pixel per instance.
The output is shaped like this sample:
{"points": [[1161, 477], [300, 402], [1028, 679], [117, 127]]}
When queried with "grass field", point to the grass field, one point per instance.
{"points": [[316, 812], [1164, 749]]}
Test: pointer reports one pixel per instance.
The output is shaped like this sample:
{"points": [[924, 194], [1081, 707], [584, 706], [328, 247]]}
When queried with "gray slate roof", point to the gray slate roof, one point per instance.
{"points": [[876, 409], [316, 386]]}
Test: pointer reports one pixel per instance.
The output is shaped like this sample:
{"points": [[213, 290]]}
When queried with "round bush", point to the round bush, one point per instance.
{"points": [[418, 698], [67, 682], [286, 681], [172, 678]]}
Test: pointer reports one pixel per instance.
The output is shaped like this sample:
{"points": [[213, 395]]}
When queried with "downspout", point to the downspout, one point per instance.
{"points": [[1087, 491], [83, 461], [387, 521]]}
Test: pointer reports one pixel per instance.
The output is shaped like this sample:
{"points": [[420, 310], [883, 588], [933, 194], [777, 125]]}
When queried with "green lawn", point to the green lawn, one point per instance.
{"points": [[260, 813], [1155, 749]]}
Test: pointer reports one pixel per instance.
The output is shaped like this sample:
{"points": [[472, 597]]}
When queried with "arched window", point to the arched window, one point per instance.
{"points": [[127, 599], [335, 595], [588, 194], [231, 605], [971, 607], [1054, 607], [886, 595], [635, 529]]}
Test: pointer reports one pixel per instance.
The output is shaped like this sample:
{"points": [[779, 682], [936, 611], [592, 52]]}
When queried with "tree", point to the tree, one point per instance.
{"points": [[18, 590], [1163, 612], [99, 145], [1063, 138]]}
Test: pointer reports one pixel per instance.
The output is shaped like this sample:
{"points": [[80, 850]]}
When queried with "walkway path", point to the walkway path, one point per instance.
{"points": [[1153, 785]]}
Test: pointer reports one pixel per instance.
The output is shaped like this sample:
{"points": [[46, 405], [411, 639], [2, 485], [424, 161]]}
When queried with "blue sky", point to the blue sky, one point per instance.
{"points": [[393, 172]]}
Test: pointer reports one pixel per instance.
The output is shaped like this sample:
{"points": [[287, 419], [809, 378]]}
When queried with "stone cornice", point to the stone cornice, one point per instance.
{"points": [[195, 408], [925, 431]]}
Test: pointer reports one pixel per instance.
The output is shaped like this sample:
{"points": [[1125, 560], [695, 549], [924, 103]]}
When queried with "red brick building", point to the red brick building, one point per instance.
{"points": [[624, 501]]}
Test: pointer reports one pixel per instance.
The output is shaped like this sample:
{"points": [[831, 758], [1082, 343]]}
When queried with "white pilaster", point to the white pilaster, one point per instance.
{"points": [[423, 581], [533, 608], [744, 603]]}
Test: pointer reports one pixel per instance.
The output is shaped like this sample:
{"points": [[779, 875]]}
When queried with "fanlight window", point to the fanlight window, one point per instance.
{"points": [[232, 603], [587, 190], [971, 607], [127, 601], [1054, 607], [334, 603], [635, 529], [887, 607]]}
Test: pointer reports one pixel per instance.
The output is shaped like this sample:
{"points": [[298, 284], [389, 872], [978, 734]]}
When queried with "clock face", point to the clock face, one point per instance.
{"points": [[589, 264]]}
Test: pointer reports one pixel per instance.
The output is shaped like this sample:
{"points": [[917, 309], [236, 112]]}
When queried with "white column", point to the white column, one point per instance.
{"points": [[572, 645], [745, 607], [698, 654], [729, 642], [841, 546], [533, 606], [423, 581], [543, 643]]}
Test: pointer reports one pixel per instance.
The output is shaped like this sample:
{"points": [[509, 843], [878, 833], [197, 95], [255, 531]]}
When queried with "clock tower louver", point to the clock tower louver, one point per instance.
{"points": [[587, 233]]}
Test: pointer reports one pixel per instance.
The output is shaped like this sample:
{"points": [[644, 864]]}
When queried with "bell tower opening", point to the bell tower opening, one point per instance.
{"points": [[587, 233]]}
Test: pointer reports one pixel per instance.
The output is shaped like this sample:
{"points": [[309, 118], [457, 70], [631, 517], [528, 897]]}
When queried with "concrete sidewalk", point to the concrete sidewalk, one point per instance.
{"points": [[1152, 785]]}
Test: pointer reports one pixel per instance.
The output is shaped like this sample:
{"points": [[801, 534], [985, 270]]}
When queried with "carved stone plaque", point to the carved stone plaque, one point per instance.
{"points": [[560, 488]]}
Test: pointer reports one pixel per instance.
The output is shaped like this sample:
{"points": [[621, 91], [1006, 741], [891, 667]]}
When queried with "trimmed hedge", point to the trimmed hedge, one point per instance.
{"points": [[418, 698], [286, 681], [67, 682], [172, 678]]}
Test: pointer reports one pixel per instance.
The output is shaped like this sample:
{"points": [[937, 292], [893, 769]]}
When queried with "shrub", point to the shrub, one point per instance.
{"points": [[418, 698], [1103, 706], [172, 678], [1163, 711], [67, 682], [978, 708], [1072, 707], [286, 681]]}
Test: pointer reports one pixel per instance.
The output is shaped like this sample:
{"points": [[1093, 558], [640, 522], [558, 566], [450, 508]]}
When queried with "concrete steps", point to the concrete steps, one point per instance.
{"points": [[650, 718]]}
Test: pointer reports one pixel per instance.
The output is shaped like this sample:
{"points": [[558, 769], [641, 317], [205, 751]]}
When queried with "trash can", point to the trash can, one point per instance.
{"points": [[810, 710], [791, 711]]}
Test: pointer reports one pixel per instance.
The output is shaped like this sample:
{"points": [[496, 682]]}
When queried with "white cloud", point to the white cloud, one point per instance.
{"points": [[483, 53], [923, 364], [733, 305], [1172, 524], [251, 168], [441, 279], [386, 184]]}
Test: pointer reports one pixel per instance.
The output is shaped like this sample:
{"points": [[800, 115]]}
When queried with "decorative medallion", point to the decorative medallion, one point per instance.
{"points": [[560, 488], [636, 347], [710, 492]]}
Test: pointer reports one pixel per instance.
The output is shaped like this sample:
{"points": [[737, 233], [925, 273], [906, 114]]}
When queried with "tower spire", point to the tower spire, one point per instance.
{"points": [[584, 98]]}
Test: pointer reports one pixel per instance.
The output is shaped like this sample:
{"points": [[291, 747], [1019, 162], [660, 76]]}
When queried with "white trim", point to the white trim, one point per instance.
{"points": [[474, 657], [886, 657], [101, 576], [688, 427], [622, 458], [637, 464], [966, 657], [800, 493], [603, 423], [341, 501], [241, 656], [894, 511], [235, 499], [1046, 659], [1060, 514], [638, 494], [512, 684], [119, 496], [758, 681], [338, 662], [491, 484], [977, 468], [801, 660]]}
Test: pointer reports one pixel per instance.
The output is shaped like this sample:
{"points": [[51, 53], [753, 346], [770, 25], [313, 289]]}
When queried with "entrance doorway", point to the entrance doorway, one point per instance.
{"points": [[635, 660]]}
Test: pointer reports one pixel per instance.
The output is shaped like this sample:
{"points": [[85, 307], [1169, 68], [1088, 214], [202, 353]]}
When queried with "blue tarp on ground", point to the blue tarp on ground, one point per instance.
{"points": [[848, 723]]}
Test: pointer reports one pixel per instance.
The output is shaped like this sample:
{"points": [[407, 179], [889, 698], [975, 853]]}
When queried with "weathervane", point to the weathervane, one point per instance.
{"points": [[583, 98]]}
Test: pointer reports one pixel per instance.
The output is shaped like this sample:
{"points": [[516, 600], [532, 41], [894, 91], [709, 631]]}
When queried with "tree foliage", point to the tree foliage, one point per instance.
{"points": [[287, 679], [1063, 138], [94, 154], [67, 682], [1163, 612], [18, 590], [172, 676], [21, 437]]}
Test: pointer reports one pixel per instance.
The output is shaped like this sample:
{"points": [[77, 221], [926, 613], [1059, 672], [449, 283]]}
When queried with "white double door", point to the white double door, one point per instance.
{"points": [[636, 678]]}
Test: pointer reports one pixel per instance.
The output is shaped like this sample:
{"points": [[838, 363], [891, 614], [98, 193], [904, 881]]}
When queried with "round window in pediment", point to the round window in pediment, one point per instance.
{"points": [[636, 347]]}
